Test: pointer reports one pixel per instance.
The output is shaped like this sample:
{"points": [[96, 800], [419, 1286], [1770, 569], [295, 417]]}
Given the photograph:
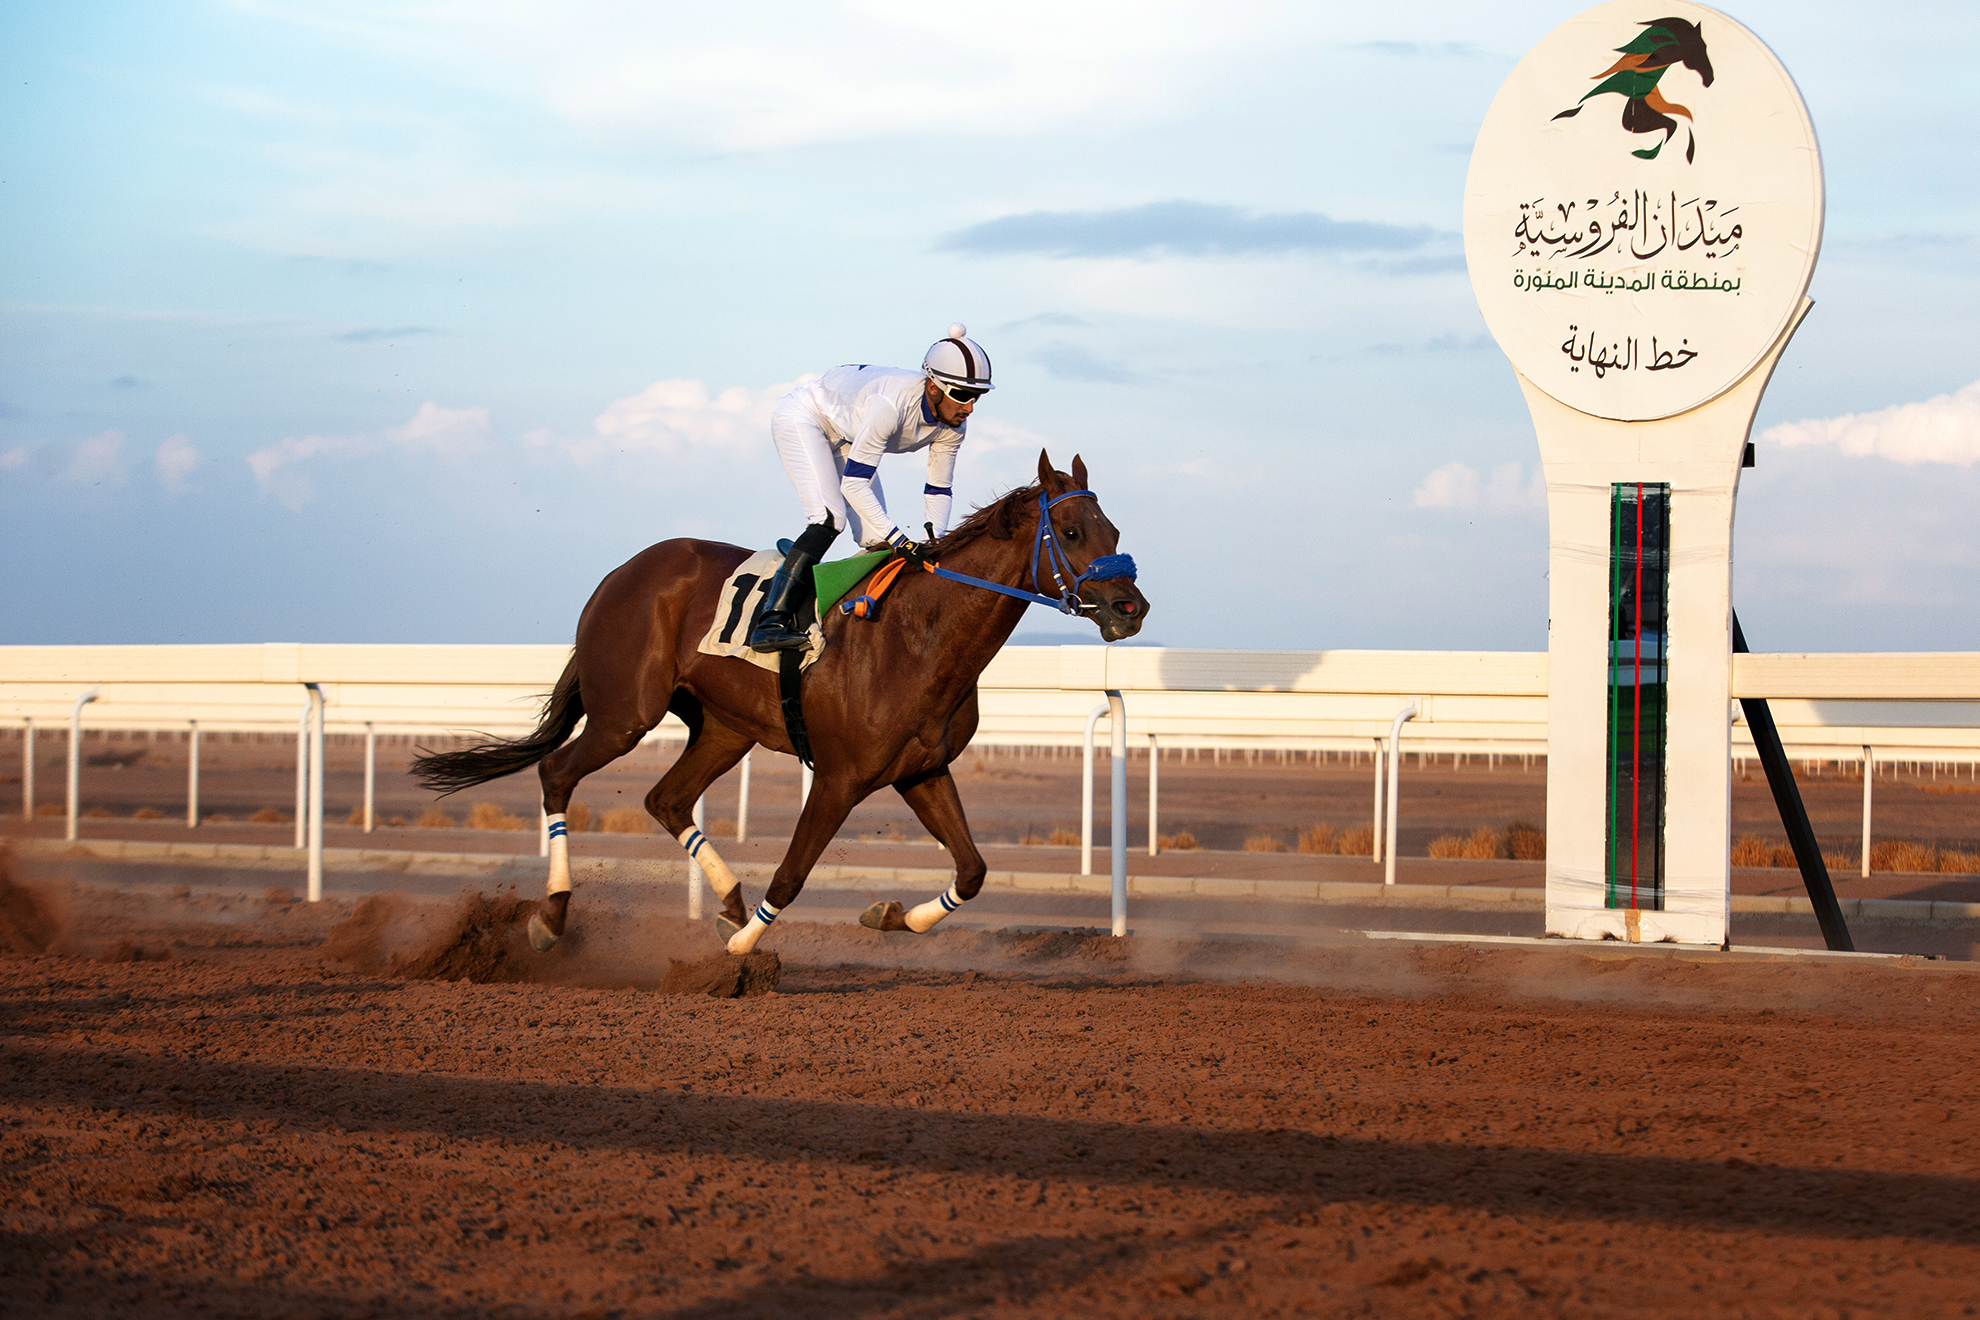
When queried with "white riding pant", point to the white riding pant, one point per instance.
{"points": [[816, 466]]}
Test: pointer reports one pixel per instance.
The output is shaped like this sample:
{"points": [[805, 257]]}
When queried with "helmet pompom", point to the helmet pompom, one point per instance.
{"points": [[958, 331]]}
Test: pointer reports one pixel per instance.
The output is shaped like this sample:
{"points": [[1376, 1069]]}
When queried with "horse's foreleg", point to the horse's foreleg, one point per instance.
{"points": [[824, 811], [939, 807]]}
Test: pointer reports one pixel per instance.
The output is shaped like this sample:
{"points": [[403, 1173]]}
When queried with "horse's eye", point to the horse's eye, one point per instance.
{"points": [[1069, 534]]}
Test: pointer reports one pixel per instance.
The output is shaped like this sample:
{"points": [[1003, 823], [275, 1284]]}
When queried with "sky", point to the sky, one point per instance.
{"points": [[353, 322]]}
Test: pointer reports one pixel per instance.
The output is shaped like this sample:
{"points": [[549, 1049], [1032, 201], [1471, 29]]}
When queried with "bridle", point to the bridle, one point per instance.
{"points": [[1046, 552]]}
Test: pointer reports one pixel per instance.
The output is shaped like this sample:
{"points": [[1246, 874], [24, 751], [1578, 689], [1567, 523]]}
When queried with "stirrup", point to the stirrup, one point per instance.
{"points": [[776, 635]]}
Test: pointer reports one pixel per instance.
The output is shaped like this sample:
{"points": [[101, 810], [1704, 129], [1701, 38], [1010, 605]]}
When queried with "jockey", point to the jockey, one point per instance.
{"points": [[830, 434]]}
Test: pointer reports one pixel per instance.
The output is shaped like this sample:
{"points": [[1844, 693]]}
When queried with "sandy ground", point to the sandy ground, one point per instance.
{"points": [[215, 1105]]}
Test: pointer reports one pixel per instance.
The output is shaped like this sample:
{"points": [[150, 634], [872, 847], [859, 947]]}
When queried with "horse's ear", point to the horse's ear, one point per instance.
{"points": [[1079, 473], [1048, 480]]}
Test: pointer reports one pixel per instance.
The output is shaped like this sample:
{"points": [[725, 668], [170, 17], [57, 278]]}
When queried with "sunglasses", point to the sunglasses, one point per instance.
{"points": [[959, 394]]}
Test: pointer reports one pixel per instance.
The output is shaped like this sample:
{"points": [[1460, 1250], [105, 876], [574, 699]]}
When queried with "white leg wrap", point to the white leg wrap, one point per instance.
{"points": [[923, 916], [720, 877], [560, 856], [759, 921]]}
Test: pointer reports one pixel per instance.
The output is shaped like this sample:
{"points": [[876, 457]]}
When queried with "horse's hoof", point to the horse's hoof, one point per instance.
{"points": [[725, 927], [541, 938], [884, 916]]}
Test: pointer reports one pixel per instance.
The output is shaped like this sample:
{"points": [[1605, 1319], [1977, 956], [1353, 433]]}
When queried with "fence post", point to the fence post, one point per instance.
{"points": [[302, 772], [27, 772], [804, 784], [192, 778], [1869, 775], [316, 703], [1119, 822], [1086, 793], [742, 800], [695, 876], [1395, 778], [75, 757], [1375, 839], [371, 780], [1154, 772]]}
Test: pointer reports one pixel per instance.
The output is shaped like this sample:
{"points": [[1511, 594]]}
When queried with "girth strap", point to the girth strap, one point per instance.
{"points": [[790, 691]]}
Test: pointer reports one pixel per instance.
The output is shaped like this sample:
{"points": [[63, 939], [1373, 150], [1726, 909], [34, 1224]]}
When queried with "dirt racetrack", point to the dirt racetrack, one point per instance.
{"points": [[212, 1106]]}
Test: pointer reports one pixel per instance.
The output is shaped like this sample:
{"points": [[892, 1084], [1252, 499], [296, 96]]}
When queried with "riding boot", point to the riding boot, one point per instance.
{"points": [[791, 589]]}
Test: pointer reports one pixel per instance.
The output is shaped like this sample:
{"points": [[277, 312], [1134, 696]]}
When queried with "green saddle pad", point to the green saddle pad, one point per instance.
{"points": [[833, 580]]}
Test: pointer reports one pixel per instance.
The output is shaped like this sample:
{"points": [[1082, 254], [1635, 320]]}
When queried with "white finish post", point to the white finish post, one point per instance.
{"points": [[371, 783], [1375, 841], [1154, 772], [695, 877], [1119, 717], [1395, 781], [192, 777], [315, 793], [1086, 794], [302, 772], [1869, 774], [27, 771], [75, 757], [742, 800]]}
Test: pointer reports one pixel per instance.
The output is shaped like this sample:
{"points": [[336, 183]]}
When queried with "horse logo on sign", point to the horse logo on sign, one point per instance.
{"points": [[1662, 43]]}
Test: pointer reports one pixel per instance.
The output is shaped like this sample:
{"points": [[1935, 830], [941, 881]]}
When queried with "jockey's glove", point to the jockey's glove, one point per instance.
{"points": [[916, 554]]}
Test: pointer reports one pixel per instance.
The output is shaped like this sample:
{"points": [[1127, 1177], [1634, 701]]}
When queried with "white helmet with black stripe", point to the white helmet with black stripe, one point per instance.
{"points": [[958, 362]]}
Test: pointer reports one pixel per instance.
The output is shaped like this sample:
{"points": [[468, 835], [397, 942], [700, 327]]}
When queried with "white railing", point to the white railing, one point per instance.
{"points": [[1869, 708]]}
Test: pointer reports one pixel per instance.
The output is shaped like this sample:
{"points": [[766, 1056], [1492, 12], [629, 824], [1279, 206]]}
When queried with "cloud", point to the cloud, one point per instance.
{"points": [[13, 458], [97, 459], [1073, 362], [174, 462], [1941, 430], [1191, 229], [1459, 486], [374, 333], [679, 418], [450, 432]]}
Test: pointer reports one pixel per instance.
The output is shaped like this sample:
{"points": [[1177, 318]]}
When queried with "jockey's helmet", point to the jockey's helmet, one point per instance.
{"points": [[958, 363]]}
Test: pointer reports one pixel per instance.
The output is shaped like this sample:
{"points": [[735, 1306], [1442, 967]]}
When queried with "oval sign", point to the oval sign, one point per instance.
{"points": [[1644, 208]]}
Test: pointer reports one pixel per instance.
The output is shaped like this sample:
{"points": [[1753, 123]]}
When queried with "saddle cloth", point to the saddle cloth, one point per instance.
{"points": [[739, 606]]}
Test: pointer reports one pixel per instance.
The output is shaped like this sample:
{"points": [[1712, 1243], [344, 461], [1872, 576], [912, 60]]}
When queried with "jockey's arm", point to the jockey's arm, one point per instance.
{"points": [[877, 425], [937, 495]]}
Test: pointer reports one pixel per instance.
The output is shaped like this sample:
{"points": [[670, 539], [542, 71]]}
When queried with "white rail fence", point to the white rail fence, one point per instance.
{"points": [[1867, 708]]}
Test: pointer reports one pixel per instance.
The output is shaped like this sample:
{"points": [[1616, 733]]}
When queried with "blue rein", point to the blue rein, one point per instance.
{"points": [[1046, 550]]}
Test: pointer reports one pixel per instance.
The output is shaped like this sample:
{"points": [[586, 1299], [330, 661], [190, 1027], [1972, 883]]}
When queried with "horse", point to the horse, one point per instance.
{"points": [[891, 700], [1662, 43]]}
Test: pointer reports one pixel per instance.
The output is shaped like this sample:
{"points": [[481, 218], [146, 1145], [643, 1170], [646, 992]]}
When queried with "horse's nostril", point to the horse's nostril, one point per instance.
{"points": [[1124, 606]]}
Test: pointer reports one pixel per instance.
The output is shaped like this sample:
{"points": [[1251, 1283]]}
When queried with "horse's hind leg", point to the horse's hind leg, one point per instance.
{"points": [[938, 806], [712, 751], [560, 772]]}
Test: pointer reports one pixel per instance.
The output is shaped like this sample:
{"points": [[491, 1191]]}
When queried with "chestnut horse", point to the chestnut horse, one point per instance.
{"points": [[891, 701]]}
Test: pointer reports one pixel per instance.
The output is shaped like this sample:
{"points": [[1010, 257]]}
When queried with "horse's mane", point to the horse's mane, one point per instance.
{"points": [[983, 518]]}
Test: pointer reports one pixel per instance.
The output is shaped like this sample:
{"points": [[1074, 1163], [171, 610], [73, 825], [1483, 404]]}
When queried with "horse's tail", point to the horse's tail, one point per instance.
{"points": [[449, 772]]}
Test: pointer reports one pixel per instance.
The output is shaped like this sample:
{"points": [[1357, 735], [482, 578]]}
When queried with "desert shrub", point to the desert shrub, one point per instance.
{"points": [[51, 809], [1180, 841], [396, 822], [97, 813], [1840, 862], [723, 827], [147, 813], [1751, 851], [1526, 843], [1903, 855], [1959, 863], [1358, 842], [435, 819], [1447, 845], [270, 816], [1264, 843], [627, 820], [1063, 837], [1319, 839], [489, 816], [577, 818], [1784, 857], [1484, 844]]}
